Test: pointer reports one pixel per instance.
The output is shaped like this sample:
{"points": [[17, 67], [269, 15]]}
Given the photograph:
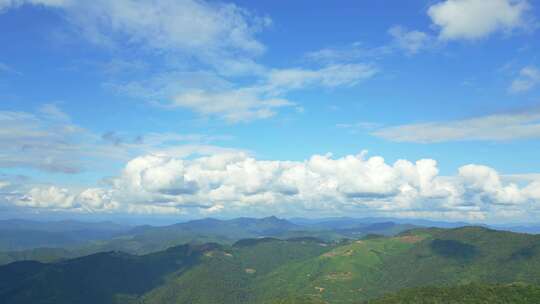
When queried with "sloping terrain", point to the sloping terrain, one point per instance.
{"points": [[270, 270], [422, 257], [208, 273], [108, 277]]}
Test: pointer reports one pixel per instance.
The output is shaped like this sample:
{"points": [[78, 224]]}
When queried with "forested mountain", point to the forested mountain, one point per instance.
{"points": [[300, 270], [53, 241]]}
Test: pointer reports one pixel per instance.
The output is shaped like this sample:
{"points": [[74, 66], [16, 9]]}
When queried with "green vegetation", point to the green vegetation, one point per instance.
{"points": [[465, 294], [344, 274], [420, 263]]}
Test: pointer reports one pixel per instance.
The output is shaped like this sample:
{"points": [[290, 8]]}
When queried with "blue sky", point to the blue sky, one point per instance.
{"points": [[209, 108]]}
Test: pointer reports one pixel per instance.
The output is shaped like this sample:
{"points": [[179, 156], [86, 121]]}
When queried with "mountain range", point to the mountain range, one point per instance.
{"points": [[394, 268], [46, 242]]}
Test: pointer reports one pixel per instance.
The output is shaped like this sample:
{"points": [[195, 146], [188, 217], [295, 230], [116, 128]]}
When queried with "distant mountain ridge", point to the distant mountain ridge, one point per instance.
{"points": [[60, 226], [16, 234], [51, 241], [146, 239]]}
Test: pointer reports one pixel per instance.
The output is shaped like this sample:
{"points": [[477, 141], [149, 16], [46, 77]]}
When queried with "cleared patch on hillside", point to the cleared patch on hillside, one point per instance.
{"points": [[319, 289], [339, 276], [335, 253], [411, 239]]}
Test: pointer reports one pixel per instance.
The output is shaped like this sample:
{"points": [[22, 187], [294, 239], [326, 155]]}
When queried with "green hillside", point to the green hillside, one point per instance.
{"points": [[227, 276], [301, 270], [343, 275], [372, 267], [98, 278], [195, 273]]}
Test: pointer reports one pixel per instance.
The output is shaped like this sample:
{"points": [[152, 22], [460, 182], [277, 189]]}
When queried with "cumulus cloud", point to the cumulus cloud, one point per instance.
{"points": [[474, 19], [533, 190], [529, 77], [483, 183], [51, 198], [497, 127], [236, 183], [62, 199]]}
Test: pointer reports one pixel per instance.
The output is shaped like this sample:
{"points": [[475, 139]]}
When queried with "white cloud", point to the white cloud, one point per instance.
{"points": [[533, 190], [260, 101], [201, 48], [234, 105], [51, 198], [484, 182], [333, 75], [53, 112], [529, 77], [198, 28], [55, 198], [348, 54], [410, 41], [454, 19], [4, 184], [474, 19], [95, 199], [497, 127], [236, 183]]}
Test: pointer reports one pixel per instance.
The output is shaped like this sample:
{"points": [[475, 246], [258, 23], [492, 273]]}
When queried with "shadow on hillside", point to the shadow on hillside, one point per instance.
{"points": [[454, 249]]}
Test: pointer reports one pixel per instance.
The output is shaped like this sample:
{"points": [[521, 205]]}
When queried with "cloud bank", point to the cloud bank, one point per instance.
{"points": [[236, 183]]}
